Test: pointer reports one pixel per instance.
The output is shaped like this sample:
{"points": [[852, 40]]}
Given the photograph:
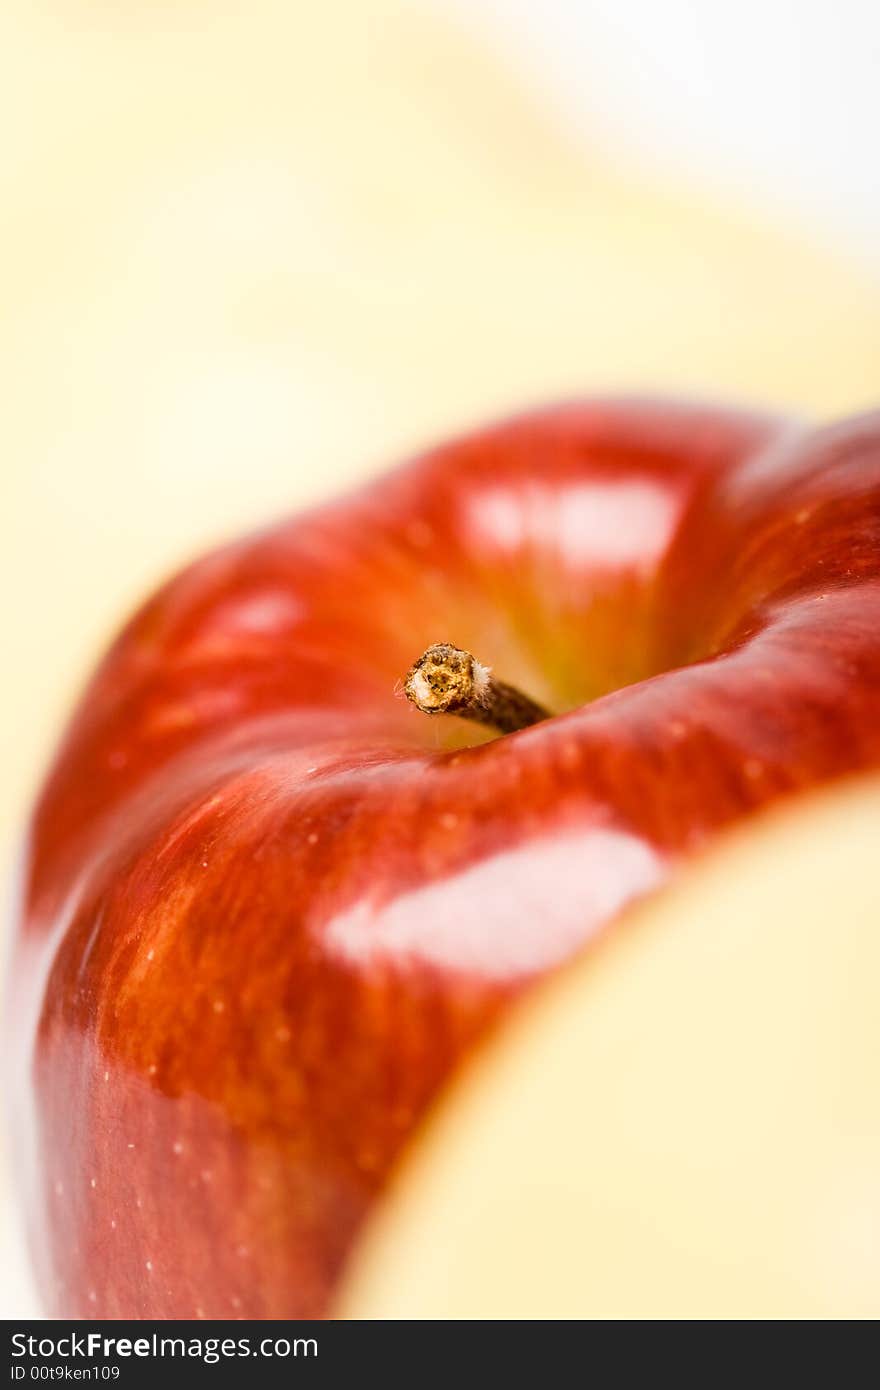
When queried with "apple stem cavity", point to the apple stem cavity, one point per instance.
{"points": [[448, 680]]}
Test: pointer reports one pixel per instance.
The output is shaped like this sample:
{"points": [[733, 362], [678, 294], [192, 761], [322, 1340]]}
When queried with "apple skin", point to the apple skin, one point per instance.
{"points": [[267, 907]]}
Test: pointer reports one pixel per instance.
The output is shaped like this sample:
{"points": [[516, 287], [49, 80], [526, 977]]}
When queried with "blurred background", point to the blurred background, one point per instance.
{"points": [[253, 252]]}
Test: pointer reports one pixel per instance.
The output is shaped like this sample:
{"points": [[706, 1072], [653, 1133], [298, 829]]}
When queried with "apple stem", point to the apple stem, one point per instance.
{"points": [[448, 680]]}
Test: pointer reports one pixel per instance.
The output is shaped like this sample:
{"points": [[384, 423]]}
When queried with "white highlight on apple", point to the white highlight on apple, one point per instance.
{"points": [[589, 523], [565, 882]]}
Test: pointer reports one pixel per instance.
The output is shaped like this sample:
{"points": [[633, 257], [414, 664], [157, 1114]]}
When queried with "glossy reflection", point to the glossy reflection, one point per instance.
{"points": [[580, 527], [532, 910]]}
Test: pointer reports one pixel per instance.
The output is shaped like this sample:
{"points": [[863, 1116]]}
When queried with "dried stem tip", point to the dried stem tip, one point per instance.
{"points": [[447, 680]]}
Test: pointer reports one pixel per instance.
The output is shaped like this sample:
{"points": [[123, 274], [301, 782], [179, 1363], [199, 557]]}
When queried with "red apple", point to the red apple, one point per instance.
{"points": [[269, 906]]}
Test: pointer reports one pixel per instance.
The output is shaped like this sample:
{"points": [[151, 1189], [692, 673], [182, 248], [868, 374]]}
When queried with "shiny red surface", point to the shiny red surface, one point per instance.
{"points": [[268, 906]]}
